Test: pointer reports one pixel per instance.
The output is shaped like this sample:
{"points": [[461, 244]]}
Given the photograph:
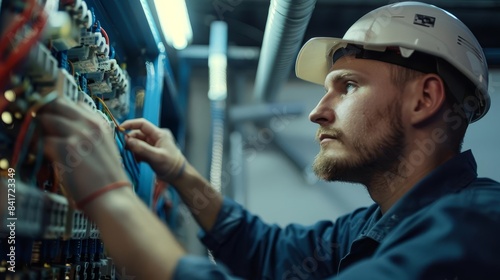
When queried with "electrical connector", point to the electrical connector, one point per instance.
{"points": [[29, 210], [62, 31], [66, 85], [92, 231], [76, 225], [84, 59], [56, 211], [85, 98], [94, 39], [41, 65]]}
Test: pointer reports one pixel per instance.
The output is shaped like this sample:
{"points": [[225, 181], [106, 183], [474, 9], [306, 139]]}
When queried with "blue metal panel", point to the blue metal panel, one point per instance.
{"points": [[133, 31], [129, 24], [152, 24]]}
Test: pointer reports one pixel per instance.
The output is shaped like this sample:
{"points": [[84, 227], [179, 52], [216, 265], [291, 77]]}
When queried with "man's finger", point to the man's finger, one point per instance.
{"points": [[52, 146], [150, 130], [56, 125], [65, 108], [142, 150], [137, 134]]}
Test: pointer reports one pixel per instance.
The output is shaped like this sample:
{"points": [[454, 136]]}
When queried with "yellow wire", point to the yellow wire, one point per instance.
{"points": [[120, 129], [72, 68]]}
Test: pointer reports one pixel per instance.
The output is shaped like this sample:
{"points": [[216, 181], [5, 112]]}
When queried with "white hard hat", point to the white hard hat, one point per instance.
{"points": [[418, 31]]}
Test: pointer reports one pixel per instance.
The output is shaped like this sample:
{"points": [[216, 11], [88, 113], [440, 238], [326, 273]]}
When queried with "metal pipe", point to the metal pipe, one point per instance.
{"points": [[286, 24], [262, 112], [237, 173], [217, 93]]}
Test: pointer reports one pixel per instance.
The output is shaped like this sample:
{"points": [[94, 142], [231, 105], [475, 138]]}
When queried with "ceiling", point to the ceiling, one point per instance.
{"points": [[247, 18]]}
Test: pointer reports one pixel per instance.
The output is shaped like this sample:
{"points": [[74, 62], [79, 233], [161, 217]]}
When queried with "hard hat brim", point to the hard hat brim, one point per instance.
{"points": [[315, 57]]}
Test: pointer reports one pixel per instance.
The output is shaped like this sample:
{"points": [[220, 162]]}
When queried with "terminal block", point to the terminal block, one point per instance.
{"points": [[66, 85], [84, 59], [56, 210], [28, 216], [94, 39], [41, 65], [76, 225]]}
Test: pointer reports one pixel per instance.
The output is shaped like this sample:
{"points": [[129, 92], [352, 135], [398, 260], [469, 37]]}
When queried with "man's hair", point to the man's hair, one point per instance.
{"points": [[455, 132]]}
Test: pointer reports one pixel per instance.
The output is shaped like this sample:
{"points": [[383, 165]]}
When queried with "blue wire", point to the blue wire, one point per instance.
{"points": [[112, 52], [97, 28], [129, 167], [93, 15], [174, 210]]}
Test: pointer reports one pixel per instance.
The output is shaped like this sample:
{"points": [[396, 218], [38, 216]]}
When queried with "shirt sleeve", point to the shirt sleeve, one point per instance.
{"points": [[456, 239], [200, 268], [252, 249]]}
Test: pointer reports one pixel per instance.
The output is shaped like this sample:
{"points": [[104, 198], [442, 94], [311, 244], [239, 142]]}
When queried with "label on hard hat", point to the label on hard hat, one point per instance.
{"points": [[424, 20]]}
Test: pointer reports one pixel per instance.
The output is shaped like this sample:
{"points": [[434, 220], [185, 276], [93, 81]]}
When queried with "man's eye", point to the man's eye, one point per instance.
{"points": [[350, 87]]}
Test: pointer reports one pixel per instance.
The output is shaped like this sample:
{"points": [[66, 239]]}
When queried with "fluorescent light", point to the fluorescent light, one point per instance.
{"points": [[174, 21]]}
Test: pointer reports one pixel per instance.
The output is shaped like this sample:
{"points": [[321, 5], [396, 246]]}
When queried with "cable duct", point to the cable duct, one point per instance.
{"points": [[286, 24]]}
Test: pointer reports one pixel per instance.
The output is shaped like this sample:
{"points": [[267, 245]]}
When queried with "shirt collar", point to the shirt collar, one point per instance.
{"points": [[450, 177]]}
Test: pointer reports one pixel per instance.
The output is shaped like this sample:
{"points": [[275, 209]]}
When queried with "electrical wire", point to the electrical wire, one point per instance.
{"points": [[158, 189], [25, 131], [128, 161], [55, 181], [39, 154], [28, 135], [105, 35], [25, 45], [118, 127], [72, 68], [16, 26]]}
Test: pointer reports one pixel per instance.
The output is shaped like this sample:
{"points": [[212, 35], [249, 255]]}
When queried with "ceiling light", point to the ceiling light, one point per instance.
{"points": [[174, 21]]}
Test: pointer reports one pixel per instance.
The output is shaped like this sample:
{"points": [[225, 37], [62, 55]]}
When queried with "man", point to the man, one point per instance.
{"points": [[401, 87]]}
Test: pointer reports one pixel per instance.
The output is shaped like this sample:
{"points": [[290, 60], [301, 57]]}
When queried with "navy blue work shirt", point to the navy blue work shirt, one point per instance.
{"points": [[446, 227]]}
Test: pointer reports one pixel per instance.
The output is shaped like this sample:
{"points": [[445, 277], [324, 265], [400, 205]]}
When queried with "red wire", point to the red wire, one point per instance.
{"points": [[9, 35], [25, 46], [20, 138], [14, 58], [105, 35], [55, 181], [159, 187]]}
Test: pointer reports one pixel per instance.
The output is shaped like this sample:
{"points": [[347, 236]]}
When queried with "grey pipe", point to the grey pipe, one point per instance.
{"points": [[286, 24], [262, 112]]}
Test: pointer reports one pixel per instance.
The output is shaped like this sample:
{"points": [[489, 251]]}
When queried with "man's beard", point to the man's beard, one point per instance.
{"points": [[370, 159]]}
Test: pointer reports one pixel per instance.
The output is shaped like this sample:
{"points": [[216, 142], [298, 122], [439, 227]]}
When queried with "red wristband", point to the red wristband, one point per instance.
{"points": [[82, 203]]}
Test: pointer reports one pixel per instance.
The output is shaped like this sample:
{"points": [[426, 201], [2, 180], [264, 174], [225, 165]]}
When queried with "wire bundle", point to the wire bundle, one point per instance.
{"points": [[10, 59]]}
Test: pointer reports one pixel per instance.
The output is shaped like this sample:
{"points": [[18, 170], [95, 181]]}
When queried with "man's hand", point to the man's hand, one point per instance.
{"points": [[156, 147], [81, 147]]}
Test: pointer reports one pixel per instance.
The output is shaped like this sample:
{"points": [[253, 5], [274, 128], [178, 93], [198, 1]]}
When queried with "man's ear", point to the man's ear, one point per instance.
{"points": [[428, 97]]}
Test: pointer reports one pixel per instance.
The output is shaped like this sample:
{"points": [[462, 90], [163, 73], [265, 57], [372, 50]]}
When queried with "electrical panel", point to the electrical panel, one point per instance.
{"points": [[51, 49]]}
